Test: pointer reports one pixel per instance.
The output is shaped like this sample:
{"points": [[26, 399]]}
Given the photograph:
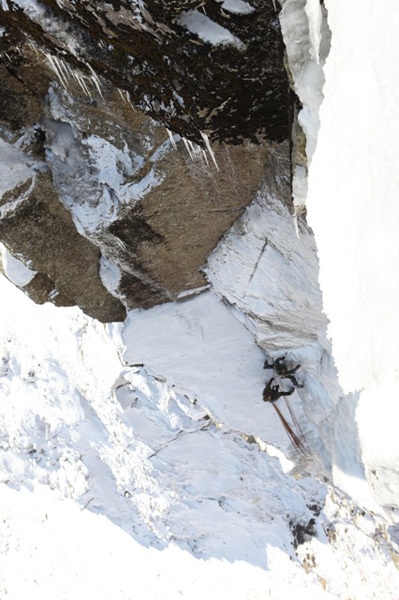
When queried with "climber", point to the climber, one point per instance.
{"points": [[282, 371], [272, 392]]}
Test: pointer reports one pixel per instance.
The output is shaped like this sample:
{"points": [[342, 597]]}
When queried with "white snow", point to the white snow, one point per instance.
{"points": [[116, 482], [113, 164], [270, 275], [110, 275], [209, 31], [31, 7], [17, 167], [353, 210], [140, 460], [213, 352], [100, 170], [15, 270], [237, 6]]}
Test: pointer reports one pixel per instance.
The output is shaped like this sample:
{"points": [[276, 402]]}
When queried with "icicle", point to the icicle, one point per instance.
{"points": [[121, 95], [81, 82], [172, 139], [193, 147], [65, 68], [188, 148], [206, 140], [61, 75], [33, 47], [53, 64], [120, 243], [126, 98], [59, 72], [95, 78], [296, 226], [204, 155], [129, 101], [313, 13], [64, 72]]}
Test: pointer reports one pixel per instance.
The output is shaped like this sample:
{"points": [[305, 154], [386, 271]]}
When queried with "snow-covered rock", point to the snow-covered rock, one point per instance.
{"points": [[139, 458]]}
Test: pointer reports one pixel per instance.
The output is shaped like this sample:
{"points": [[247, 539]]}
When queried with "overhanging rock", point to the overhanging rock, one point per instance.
{"points": [[142, 142]]}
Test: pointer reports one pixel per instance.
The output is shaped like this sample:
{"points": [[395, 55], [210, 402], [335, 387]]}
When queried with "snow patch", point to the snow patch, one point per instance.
{"points": [[14, 269], [114, 166], [208, 30], [31, 7], [269, 275], [237, 6], [102, 172], [110, 275], [17, 167], [353, 210], [215, 360]]}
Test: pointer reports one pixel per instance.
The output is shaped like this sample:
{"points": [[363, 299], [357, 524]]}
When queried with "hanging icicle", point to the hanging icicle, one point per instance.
{"points": [[172, 139], [208, 146], [188, 148], [54, 66], [95, 79]]}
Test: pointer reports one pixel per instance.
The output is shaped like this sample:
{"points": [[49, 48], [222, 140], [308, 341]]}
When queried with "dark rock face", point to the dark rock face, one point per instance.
{"points": [[233, 91], [113, 213]]}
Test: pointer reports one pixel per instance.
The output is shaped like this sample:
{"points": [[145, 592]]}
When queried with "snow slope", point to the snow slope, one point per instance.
{"points": [[141, 460], [117, 481]]}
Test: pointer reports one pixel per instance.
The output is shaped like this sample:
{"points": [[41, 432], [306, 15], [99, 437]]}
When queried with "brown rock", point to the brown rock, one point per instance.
{"points": [[18, 105], [41, 230]]}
